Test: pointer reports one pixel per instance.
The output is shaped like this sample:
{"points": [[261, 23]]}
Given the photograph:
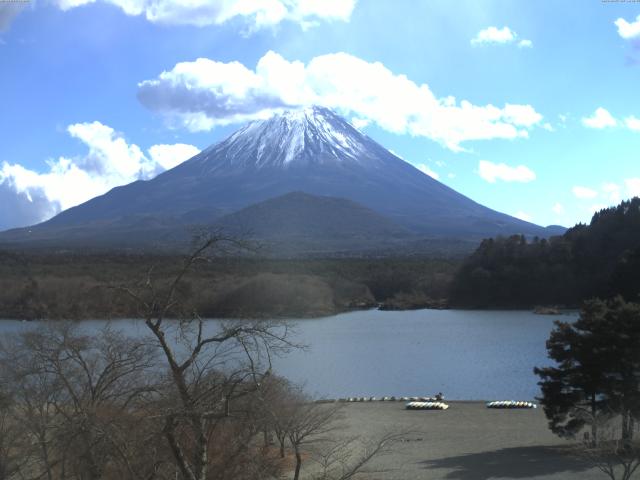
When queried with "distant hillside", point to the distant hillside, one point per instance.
{"points": [[302, 222], [601, 259], [296, 224]]}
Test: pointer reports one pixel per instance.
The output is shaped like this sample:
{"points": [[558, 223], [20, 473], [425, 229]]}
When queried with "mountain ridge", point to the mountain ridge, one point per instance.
{"points": [[311, 150]]}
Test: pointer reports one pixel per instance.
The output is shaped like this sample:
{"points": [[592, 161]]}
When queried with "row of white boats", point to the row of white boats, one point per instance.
{"points": [[511, 404], [385, 399], [431, 403], [426, 406]]}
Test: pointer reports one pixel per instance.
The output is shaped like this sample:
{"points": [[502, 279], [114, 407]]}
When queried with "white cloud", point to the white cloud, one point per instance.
{"points": [[557, 208], [110, 156], [69, 4], [548, 127], [24, 208], [584, 192], [360, 123], [613, 192], [609, 194], [204, 93], [255, 13], [628, 30], [633, 187], [632, 123], [523, 216], [522, 115], [499, 171], [427, 171], [494, 35], [601, 118], [169, 156], [109, 162]]}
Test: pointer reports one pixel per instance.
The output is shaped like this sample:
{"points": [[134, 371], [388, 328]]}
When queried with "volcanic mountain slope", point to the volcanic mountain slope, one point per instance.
{"points": [[299, 222], [310, 150]]}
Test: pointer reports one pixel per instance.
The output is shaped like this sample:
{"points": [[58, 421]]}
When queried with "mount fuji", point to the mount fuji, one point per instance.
{"points": [[311, 151]]}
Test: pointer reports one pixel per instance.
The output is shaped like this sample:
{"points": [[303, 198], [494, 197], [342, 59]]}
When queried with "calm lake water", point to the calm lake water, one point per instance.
{"points": [[467, 355]]}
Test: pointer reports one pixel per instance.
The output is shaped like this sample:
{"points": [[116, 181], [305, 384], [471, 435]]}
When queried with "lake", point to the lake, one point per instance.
{"points": [[466, 354]]}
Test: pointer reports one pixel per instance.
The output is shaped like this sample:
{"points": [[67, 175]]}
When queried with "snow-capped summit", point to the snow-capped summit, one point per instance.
{"points": [[304, 135]]}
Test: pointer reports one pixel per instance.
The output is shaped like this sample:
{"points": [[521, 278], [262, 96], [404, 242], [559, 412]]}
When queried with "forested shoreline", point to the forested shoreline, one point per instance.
{"points": [[81, 286], [597, 260]]}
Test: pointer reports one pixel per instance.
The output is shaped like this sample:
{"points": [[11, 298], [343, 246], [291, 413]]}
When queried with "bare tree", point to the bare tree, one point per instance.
{"points": [[613, 455], [278, 402], [191, 399], [78, 396], [34, 395], [14, 447], [343, 460], [313, 429], [212, 368], [310, 423]]}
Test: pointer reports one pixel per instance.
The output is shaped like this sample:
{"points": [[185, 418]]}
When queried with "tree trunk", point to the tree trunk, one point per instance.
{"points": [[91, 466], [625, 427], [45, 457], [296, 474], [179, 456], [594, 421], [202, 444]]}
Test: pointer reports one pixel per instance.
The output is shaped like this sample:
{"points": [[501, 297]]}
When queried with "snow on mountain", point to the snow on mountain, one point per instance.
{"points": [[307, 135]]}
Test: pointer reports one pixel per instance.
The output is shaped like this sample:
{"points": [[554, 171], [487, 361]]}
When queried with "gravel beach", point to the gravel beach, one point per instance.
{"points": [[466, 442]]}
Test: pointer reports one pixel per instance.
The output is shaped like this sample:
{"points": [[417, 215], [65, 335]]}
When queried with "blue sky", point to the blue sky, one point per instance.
{"points": [[528, 107]]}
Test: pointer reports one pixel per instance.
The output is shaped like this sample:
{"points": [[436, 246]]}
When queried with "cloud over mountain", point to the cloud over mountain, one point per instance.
{"points": [[169, 156], [110, 161], [23, 207], [205, 93]]}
